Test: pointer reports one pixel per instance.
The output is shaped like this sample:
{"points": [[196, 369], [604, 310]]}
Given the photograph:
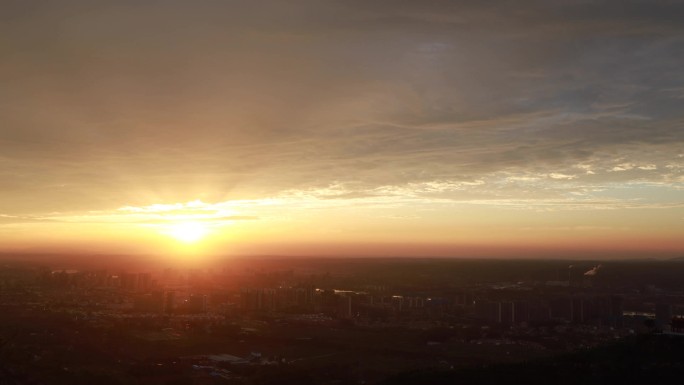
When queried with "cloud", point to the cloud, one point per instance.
{"points": [[623, 167], [131, 105], [555, 175], [196, 211]]}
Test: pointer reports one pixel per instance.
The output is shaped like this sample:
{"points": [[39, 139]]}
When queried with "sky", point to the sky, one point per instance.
{"points": [[346, 128]]}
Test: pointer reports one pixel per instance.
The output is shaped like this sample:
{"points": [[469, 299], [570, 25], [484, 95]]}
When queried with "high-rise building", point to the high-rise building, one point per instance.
{"points": [[663, 315], [344, 306], [507, 312], [488, 311], [129, 282], [521, 311], [197, 303], [144, 282], [169, 302], [578, 308]]}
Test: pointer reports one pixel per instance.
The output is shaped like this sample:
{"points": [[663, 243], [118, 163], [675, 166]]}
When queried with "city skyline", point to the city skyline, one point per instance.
{"points": [[343, 128]]}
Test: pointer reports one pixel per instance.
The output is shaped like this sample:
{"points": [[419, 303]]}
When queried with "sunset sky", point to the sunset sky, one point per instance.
{"points": [[368, 127]]}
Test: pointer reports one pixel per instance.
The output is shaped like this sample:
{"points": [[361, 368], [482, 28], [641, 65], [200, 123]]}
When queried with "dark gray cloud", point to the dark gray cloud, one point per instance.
{"points": [[105, 104]]}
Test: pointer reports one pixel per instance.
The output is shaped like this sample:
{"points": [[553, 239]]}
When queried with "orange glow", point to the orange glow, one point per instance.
{"points": [[188, 232]]}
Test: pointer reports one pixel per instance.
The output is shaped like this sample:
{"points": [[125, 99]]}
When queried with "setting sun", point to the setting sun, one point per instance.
{"points": [[188, 232]]}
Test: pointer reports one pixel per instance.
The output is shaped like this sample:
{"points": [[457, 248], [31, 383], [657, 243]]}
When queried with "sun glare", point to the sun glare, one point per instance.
{"points": [[188, 232]]}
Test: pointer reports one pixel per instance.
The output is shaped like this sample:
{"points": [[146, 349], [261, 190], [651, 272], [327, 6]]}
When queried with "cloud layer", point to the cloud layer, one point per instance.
{"points": [[537, 105]]}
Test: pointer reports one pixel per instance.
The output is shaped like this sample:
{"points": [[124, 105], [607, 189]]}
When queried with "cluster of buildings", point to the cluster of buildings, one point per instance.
{"points": [[175, 292], [596, 309]]}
